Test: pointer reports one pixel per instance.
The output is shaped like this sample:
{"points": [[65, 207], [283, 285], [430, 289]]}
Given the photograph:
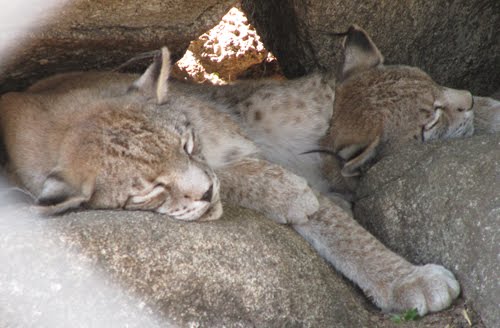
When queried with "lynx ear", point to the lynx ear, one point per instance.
{"points": [[360, 53], [58, 196], [154, 82], [55, 190], [351, 168]]}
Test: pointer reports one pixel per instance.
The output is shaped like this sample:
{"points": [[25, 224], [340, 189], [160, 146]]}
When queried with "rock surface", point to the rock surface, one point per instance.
{"points": [[137, 269], [241, 271], [222, 54], [92, 34], [456, 42], [441, 203]]}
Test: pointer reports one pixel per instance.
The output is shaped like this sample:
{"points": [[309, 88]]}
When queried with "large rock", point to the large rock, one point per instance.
{"points": [[138, 269], [456, 42], [90, 34], [441, 203], [241, 271], [222, 54]]}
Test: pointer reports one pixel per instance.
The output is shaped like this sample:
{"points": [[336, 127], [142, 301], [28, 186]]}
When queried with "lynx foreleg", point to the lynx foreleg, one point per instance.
{"points": [[392, 282], [269, 189]]}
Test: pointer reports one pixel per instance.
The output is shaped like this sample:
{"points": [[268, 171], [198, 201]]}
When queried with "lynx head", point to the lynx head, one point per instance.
{"points": [[380, 107], [183, 186], [79, 148], [188, 189]]}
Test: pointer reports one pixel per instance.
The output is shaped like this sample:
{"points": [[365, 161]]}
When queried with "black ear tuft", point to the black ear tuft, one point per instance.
{"points": [[360, 52]]}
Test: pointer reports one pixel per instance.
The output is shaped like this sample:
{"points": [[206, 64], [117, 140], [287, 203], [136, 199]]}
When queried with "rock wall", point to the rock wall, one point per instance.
{"points": [[456, 42], [139, 269], [241, 271], [440, 203], [93, 34]]}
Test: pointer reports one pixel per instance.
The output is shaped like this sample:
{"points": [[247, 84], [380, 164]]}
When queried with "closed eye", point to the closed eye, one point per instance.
{"points": [[432, 124], [426, 133], [426, 112], [188, 141], [187, 149], [150, 200]]}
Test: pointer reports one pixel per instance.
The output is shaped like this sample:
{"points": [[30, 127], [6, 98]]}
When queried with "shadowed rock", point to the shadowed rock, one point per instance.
{"points": [[241, 271], [457, 42], [93, 34], [440, 203]]}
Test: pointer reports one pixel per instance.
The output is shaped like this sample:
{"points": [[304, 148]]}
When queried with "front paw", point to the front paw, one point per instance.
{"points": [[291, 200], [428, 288], [302, 206]]}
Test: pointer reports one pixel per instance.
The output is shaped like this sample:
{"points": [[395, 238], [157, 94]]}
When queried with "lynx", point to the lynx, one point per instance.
{"points": [[117, 141], [370, 111]]}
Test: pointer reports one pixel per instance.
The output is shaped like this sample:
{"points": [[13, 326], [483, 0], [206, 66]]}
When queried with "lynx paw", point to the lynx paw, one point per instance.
{"points": [[305, 204], [429, 288], [293, 199]]}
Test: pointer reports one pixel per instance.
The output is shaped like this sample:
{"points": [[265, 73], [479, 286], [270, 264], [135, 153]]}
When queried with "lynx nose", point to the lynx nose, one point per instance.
{"points": [[207, 196]]}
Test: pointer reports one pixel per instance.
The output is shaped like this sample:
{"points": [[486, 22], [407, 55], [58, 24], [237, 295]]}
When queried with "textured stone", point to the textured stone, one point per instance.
{"points": [[222, 54], [440, 203], [138, 269], [456, 42], [92, 34], [241, 271]]}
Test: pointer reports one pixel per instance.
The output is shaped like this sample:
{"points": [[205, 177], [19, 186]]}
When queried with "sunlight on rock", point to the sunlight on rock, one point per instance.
{"points": [[224, 53]]}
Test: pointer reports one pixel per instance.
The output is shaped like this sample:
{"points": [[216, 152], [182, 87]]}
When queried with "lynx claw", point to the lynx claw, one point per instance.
{"points": [[429, 288]]}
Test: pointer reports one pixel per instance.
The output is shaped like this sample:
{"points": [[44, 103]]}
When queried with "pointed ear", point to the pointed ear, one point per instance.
{"points": [[58, 196], [360, 53], [154, 82], [54, 190]]}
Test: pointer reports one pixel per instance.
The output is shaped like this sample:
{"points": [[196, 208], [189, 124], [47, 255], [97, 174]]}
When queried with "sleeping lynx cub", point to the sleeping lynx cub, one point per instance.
{"points": [[372, 110], [110, 140]]}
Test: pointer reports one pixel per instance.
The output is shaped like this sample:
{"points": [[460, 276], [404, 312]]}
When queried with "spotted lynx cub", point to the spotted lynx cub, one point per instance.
{"points": [[372, 110], [110, 140]]}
